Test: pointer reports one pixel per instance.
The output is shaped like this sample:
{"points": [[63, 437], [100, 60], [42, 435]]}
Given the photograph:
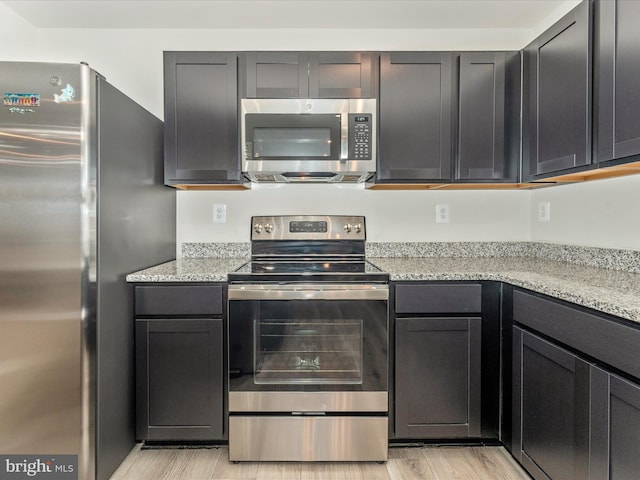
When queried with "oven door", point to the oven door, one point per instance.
{"points": [[308, 347]]}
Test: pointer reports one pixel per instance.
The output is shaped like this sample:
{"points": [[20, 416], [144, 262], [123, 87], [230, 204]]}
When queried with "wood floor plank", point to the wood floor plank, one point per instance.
{"points": [[347, 471], [147, 465], [405, 452], [278, 471], [501, 464], [192, 464], [437, 458], [422, 463], [169, 464], [226, 470]]}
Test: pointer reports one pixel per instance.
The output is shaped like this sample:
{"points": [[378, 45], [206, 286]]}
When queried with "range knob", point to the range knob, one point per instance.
{"points": [[348, 227], [268, 228], [357, 227], [257, 227]]}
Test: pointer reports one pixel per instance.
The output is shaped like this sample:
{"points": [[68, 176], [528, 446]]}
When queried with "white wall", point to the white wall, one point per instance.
{"points": [[132, 61], [17, 37], [392, 216], [601, 213]]}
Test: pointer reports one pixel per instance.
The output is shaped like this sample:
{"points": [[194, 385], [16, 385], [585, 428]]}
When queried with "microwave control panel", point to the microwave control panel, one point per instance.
{"points": [[360, 136]]}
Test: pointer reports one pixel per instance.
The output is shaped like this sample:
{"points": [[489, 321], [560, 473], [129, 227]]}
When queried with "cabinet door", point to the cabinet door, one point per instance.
{"points": [[201, 118], [483, 111], [550, 409], [415, 116], [276, 75], [179, 368], [438, 377], [341, 75], [615, 423], [557, 116], [617, 53]]}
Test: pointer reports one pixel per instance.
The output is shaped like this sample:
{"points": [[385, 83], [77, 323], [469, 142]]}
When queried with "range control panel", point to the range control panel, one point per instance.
{"points": [[360, 125], [308, 227]]}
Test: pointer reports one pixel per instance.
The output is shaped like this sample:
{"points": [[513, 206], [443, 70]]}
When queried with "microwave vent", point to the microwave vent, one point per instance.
{"points": [[266, 177], [351, 178]]}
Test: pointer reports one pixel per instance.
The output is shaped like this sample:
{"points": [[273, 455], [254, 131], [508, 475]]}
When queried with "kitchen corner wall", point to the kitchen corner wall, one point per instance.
{"points": [[602, 213]]}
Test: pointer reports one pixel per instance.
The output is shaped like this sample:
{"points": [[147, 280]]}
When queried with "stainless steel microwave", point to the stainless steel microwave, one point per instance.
{"points": [[308, 140]]}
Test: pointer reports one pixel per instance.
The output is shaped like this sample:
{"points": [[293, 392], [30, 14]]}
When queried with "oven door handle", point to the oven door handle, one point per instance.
{"points": [[308, 292]]}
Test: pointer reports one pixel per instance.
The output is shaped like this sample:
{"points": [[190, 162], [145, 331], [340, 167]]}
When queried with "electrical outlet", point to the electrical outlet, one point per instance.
{"points": [[544, 211], [442, 213], [219, 213]]}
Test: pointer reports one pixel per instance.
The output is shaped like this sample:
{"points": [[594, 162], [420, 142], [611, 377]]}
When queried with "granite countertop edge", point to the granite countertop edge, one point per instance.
{"points": [[611, 292]]}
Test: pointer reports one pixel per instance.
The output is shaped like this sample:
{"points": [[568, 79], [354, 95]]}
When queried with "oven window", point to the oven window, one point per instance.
{"points": [[314, 351], [308, 345], [291, 142]]}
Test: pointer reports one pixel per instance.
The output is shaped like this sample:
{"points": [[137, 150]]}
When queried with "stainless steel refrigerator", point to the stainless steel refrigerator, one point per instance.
{"points": [[82, 203]]}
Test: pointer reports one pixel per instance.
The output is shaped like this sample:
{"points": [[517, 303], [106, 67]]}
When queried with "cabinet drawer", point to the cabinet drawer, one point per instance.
{"points": [[179, 300], [438, 298], [606, 340]]}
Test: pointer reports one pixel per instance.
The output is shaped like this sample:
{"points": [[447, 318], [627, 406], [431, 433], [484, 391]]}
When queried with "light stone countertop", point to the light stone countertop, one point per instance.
{"points": [[610, 291], [189, 270]]}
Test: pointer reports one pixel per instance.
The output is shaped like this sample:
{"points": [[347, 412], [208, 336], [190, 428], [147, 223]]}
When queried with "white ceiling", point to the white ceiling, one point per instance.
{"points": [[268, 14]]}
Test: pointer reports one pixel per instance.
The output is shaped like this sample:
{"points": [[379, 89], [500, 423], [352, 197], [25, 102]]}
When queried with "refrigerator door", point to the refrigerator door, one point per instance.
{"points": [[44, 255]]}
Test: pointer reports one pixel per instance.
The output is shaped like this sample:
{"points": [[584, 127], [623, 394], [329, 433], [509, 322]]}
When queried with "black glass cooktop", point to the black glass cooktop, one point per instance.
{"points": [[308, 270]]}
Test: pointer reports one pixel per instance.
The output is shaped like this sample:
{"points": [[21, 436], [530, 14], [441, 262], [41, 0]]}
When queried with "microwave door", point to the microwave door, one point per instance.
{"points": [[295, 137]]}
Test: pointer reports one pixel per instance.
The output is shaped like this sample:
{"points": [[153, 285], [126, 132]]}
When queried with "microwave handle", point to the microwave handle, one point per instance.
{"points": [[344, 137]]}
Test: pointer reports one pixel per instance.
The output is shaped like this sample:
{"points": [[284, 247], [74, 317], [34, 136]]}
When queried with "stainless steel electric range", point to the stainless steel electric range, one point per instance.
{"points": [[308, 344]]}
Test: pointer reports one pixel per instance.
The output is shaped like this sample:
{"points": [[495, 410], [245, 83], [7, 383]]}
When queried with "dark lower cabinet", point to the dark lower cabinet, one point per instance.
{"points": [[615, 423], [180, 375], [576, 400], [180, 382], [551, 409], [439, 361], [617, 69], [438, 377]]}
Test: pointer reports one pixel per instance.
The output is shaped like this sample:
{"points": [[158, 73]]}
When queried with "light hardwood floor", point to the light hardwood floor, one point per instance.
{"points": [[423, 463]]}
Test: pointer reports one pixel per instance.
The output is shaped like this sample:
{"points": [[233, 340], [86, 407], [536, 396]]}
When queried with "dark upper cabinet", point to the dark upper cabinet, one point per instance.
{"points": [[617, 70], [342, 75], [557, 97], [551, 395], [309, 75], [276, 75], [488, 146], [415, 104], [201, 118]]}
